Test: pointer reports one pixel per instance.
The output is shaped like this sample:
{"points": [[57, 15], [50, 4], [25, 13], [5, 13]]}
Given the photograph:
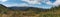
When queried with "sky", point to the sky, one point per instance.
{"points": [[31, 3]]}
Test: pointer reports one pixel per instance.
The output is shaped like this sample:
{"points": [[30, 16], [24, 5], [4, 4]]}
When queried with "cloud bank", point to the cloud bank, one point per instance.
{"points": [[33, 3], [16, 4], [3, 0], [56, 3]]}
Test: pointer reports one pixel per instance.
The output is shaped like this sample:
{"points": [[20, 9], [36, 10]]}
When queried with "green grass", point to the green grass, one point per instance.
{"points": [[52, 13]]}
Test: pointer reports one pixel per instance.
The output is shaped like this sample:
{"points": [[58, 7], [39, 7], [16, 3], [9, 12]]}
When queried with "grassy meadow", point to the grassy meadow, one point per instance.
{"points": [[53, 12]]}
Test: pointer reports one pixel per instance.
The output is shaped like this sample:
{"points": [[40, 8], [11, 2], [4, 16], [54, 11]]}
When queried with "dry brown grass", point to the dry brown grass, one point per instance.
{"points": [[30, 14]]}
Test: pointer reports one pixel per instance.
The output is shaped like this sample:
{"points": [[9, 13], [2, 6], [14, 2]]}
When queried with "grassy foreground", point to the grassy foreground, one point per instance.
{"points": [[54, 12], [30, 14]]}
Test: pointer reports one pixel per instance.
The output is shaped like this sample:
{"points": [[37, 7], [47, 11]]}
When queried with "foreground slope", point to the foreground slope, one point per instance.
{"points": [[31, 12], [3, 8]]}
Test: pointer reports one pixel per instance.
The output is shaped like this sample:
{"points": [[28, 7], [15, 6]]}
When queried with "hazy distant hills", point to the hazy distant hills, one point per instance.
{"points": [[3, 8], [24, 8]]}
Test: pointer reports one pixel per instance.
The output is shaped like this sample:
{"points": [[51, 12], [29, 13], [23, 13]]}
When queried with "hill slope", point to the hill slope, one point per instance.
{"points": [[2, 8]]}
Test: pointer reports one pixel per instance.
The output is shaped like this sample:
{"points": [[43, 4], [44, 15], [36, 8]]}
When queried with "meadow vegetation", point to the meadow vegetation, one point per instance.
{"points": [[53, 12]]}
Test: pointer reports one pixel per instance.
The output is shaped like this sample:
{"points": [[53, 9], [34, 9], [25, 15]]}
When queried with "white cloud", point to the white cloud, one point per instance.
{"points": [[23, 5], [49, 3], [15, 4], [3, 0], [33, 1], [9, 5], [57, 3]]}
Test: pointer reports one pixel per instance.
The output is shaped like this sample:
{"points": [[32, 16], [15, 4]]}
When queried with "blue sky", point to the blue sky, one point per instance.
{"points": [[31, 3]]}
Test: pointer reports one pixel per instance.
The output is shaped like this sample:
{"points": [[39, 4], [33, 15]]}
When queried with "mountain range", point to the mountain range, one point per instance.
{"points": [[24, 8]]}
